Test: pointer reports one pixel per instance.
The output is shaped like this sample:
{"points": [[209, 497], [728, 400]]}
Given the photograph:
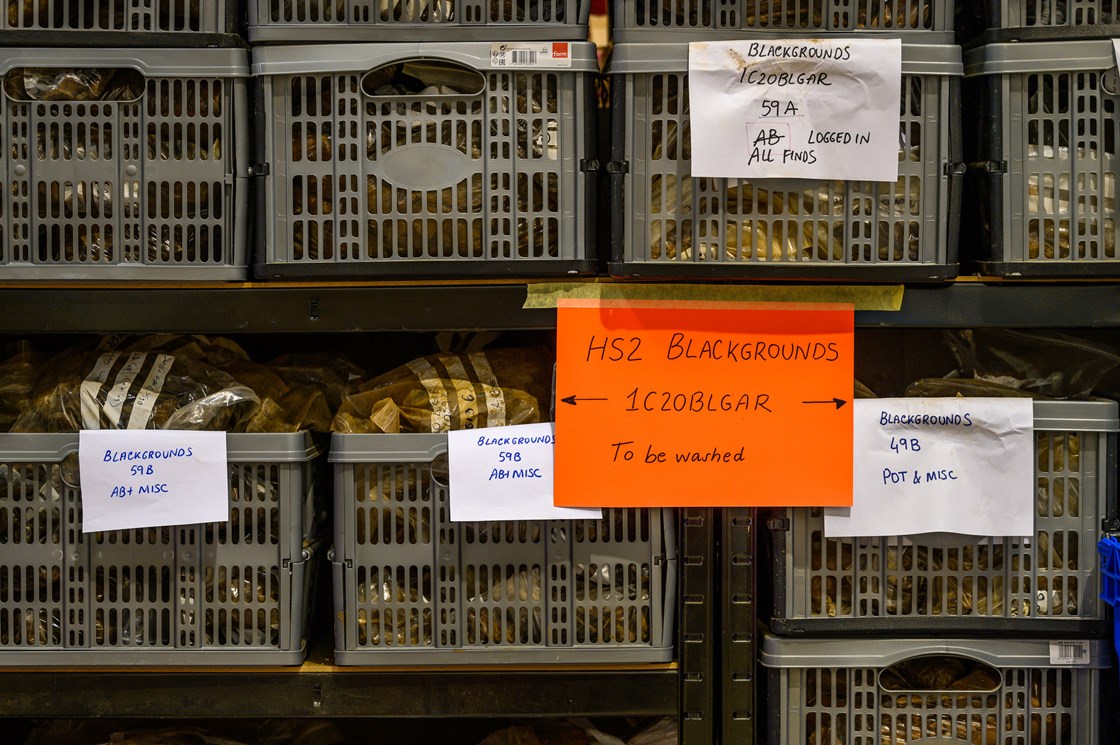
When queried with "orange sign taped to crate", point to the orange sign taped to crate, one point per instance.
{"points": [[663, 404]]}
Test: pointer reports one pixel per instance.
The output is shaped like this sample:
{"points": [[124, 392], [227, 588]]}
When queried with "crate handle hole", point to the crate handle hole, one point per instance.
{"points": [[943, 673], [422, 77], [122, 84], [439, 470]]}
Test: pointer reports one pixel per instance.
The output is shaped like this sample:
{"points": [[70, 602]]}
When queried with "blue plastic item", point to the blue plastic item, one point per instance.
{"points": [[1109, 549]]}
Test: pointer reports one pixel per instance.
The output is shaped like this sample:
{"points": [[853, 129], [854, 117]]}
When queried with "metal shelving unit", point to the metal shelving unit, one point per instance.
{"points": [[323, 691], [698, 640], [738, 624], [439, 306], [711, 688]]}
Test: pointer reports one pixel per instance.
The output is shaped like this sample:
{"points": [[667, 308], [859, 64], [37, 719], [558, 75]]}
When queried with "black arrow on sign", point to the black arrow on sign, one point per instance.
{"points": [[838, 402], [572, 399]]}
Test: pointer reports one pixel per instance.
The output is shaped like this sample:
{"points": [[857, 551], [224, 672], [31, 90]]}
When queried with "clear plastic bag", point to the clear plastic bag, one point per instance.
{"points": [[1040, 363], [73, 84], [83, 389], [443, 392]]}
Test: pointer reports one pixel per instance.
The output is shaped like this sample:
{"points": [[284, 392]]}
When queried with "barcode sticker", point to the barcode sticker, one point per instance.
{"points": [[530, 54], [1069, 653]]}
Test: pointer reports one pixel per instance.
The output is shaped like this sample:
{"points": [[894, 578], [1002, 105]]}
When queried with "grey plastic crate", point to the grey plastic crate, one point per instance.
{"points": [[151, 189], [668, 224], [235, 593], [844, 691], [949, 583], [1046, 136], [928, 21], [412, 587], [1040, 20], [324, 21], [131, 23], [495, 183]]}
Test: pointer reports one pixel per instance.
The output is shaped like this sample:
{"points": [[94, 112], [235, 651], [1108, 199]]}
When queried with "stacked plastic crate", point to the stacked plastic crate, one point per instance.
{"points": [[1043, 87], [233, 593], [123, 155], [443, 138], [414, 587], [411, 587], [947, 637], [668, 223]]}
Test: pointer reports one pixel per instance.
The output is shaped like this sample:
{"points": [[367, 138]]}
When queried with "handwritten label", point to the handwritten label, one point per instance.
{"points": [[530, 54], [505, 473], [796, 108], [957, 465], [704, 404], [151, 478]]}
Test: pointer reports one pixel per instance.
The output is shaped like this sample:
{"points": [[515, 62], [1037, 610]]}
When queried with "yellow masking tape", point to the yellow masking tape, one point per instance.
{"points": [[871, 297]]}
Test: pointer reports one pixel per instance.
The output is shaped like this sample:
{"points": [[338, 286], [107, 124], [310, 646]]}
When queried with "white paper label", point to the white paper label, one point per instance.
{"points": [[530, 54], [505, 473], [797, 108], [151, 478], [1069, 653], [955, 465]]}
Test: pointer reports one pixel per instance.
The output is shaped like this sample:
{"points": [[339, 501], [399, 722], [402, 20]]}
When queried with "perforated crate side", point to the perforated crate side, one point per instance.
{"points": [[150, 189], [131, 23], [325, 21], [412, 587], [1039, 20], [924, 21], [825, 690], [497, 183], [221, 593], [669, 224], [932, 584], [1049, 186]]}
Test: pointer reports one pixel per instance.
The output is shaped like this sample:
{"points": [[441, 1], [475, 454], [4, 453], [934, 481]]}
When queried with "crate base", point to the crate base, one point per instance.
{"points": [[343, 33], [1045, 33], [503, 656], [126, 39], [938, 627], [788, 270], [366, 270], [122, 273], [135, 657], [1049, 269]]}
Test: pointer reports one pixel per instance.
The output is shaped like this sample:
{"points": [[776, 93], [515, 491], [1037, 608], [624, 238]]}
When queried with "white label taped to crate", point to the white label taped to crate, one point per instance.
{"points": [[1069, 652], [796, 108], [152, 478], [505, 473], [530, 54], [940, 465]]}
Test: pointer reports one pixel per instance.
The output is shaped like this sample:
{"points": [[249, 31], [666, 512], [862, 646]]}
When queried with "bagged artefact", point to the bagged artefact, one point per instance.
{"points": [[490, 388]]}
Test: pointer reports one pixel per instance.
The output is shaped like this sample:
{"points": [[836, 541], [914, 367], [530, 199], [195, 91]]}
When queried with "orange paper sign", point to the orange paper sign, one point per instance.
{"points": [[703, 404]]}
